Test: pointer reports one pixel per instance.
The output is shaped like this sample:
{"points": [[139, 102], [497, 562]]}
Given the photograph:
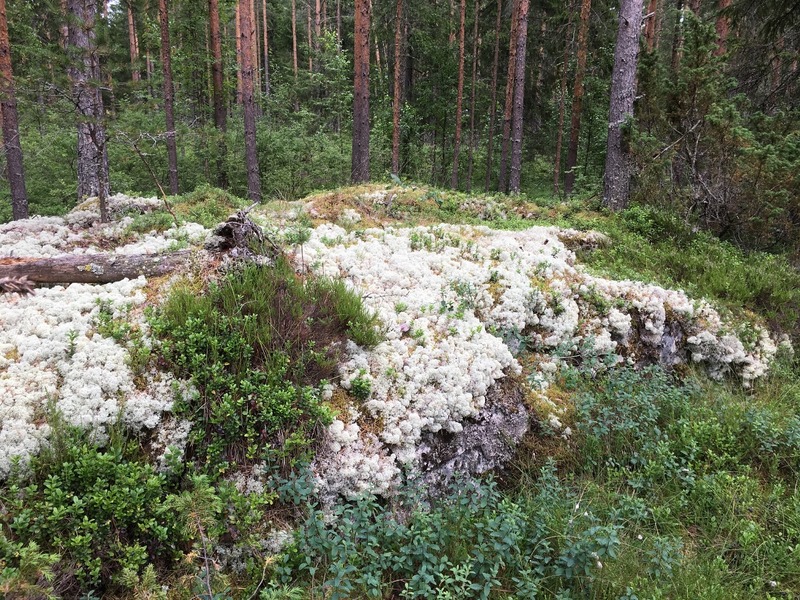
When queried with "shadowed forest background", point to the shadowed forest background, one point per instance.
{"points": [[714, 134]]}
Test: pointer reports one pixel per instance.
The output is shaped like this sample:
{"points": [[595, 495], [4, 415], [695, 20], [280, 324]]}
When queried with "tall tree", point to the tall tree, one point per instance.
{"points": [[398, 46], [722, 27], [247, 66], [677, 37], [360, 153], [8, 116], [84, 73], [133, 43], [265, 32], [169, 97], [509, 105], [562, 102], [577, 96], [473, 90], [519, 99], [616, 181], [459, 92], [220, 110], [650, 25], [493, 101]]}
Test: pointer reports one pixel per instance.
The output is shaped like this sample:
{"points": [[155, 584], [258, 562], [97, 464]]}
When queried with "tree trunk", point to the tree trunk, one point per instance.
{"points": [[475, 44], [169, 110], [460, 92], [238, 20], [265, 31], [220, 109], [339, 20], [360, 153], [677, 40], [577, 96], [310, 40], [63, 30], [134, 45], [398, 96], [562, 102], [616, 181], [694, 5], [294, 39], [93, 268], [502, 184], [519, 99], [246, 28], [722, 28], [650, 25], [493, 101], [8, 115], [84, 74]]}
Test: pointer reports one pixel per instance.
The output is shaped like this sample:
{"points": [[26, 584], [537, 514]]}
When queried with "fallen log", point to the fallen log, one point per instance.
{"points": [[91, 268]]}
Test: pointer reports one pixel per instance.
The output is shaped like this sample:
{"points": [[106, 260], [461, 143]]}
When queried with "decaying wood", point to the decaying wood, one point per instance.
{"points": [[238, 237], [91, 268], [19, 285]]}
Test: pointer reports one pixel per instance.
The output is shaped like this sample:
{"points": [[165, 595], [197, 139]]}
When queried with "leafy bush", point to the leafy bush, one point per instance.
{"points": [[97, 510], [256, 345]]}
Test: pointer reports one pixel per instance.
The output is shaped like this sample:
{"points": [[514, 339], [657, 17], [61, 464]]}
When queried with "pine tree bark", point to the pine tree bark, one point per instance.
{"points": [[265, 31], [502, 184], [238, 20], [459, 93], [650, 25], [169, 97], [247, 68], [360, 152], [220, 108], [84, 74], [294, 38], [519, 99], [310, 40], [493, 101], [133, 43], [473, 90], [577, 97], [562, 102], [723, 26], [398, 96], [10, 126], [616, 181]]}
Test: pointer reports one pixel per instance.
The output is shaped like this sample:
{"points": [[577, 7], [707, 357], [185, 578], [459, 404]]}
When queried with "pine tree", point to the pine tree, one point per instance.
{"points": [[616, 181], [360, 153], [169, 96], [247, 67], [8, 112]]}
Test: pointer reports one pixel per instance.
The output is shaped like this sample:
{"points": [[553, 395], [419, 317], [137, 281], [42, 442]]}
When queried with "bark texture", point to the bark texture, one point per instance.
{"points": [[650, 25], [8, 116], [473, 88], [616, 181], [247, 32], [133, 43], [502, 184], [723, 26], [265, 32], [398, 47], [360, 152], [169, 97], [84, 73], [577, 96], [459, 92], [519, 98], [97, 268], [493, 101]]}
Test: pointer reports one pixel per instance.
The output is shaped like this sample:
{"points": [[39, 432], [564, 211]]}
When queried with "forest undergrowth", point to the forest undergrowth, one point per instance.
{"points": [[655, 485]]}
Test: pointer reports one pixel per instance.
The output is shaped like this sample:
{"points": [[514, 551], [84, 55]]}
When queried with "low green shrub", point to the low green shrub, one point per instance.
{"points": [[257, 345], [96, 511]]}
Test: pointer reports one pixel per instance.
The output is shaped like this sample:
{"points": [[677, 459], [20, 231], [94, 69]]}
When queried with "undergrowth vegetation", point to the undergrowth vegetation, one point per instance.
{"points": [[656, 484], [257, 345]]}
